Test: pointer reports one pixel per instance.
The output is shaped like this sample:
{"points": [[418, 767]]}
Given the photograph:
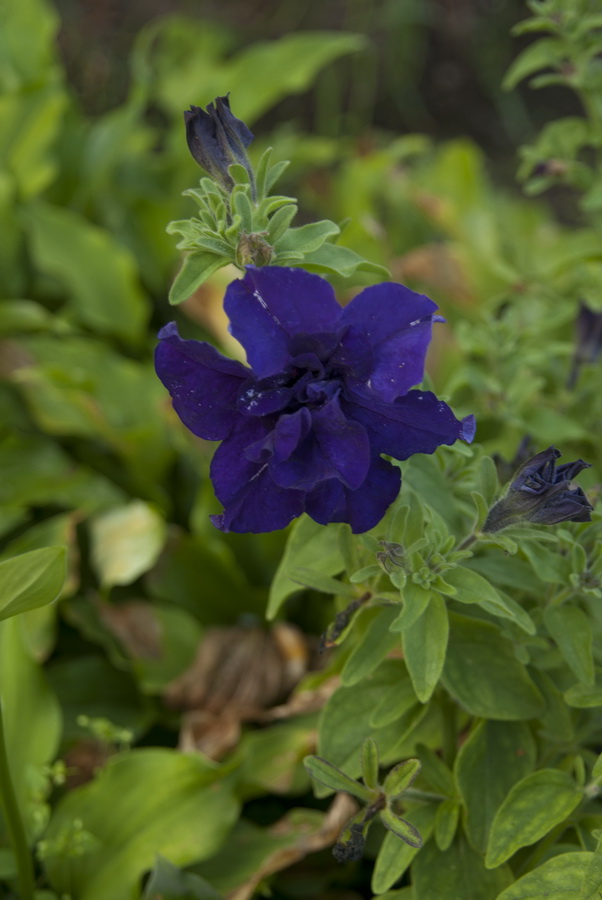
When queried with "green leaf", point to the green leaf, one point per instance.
{"points": [[169, 883], [142, 803], [542, 54], [488, 479], [473, 588], [334, 259], [584, 696], [323, 583], [415, 601], [329, 776], [483, 674], [309, 545], [99, 276], [370, 763], [424, 647], [306, 238], [32, 719], [394, 857], [535, 805], [31, 580], [434, 771], [374, 645], [571, 629], [126, 542], [591, 888], [197, 267], [401, 777], [446, 823], [447, 874], [559, 878], [403, 829], [280, 221], [493, 758], [394, 701]]}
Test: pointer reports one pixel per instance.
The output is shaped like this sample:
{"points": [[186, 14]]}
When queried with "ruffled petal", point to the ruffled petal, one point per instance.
{"points": [[272, 304], [203, 384], [252, 501], [397, 323], [331, 501], [416, 423], [343, 441]]}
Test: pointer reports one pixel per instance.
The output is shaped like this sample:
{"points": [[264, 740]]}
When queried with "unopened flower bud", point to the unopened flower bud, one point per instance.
{"points": [[253, 249], [217, 140], [542, 494]]}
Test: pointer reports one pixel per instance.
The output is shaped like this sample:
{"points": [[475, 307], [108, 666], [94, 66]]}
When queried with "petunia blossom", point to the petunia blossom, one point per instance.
{"points": [[326, 392]]}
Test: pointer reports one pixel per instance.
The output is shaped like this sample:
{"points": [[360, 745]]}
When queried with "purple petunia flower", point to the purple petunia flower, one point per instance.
{"points": [[327, 392]]}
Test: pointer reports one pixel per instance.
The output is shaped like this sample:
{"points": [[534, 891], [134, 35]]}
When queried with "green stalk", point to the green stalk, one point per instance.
{"points": [[14, 823]]}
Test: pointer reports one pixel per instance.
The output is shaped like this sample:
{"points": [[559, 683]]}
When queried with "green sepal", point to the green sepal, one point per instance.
{"points": [[329, 776], [402, 828], [401, 777], [370, 763]]}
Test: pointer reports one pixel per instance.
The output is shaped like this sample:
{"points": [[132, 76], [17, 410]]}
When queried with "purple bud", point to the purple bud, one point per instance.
{"points": [[217, 140]]}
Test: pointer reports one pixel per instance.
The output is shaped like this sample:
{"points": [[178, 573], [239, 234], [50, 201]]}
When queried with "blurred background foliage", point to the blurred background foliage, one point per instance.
{"points": [[394, 118]]}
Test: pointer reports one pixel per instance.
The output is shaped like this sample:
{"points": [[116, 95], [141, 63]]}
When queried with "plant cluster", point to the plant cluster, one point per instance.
{"points": [[157, 738]]}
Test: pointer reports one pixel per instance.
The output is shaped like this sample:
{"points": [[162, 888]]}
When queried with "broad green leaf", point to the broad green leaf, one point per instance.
{"points": [[329, 776], [142, 803], [493, 758], [272, 758], [435, 772], [473, 588], [591, 889], [401, 777], [401, 828], [32, 718], [483, 674], [584, 696], [394, 702], [197, 267], [309, 545], [559, 878], [169, 883], [31, 580], [571, 629], [373, 646], [394, 857], [306, 238], [534, 806], [446, 823], [424, 647], [98, 274], [344, 719], [126, 542], [448, 874]]}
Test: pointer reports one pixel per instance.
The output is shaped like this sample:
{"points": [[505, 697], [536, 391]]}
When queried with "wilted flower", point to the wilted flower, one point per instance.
{"points": [[327, 393], [217, 139], [541, 493]]}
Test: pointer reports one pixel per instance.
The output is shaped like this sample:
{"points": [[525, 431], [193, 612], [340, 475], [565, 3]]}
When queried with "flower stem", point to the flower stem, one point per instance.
{"points": [[14, 822]]}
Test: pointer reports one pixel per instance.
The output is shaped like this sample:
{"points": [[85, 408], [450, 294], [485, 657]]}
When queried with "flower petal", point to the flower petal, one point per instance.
{"points": [[270, 305], [343, 441], [416, 423], [397, 323], [203, 384], [331, 501], [251, 499]]}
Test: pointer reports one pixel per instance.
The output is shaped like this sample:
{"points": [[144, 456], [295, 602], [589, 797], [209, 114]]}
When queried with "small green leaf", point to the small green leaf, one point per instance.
{"points": [[31, 580], [394, 858], [533, 807], [424, 647], [448, 874], [332, 258], [370, 763], [329, 776], [408, 833], [446, 823], [196, 269], [434, 771], [544, 53], [401, 777], [571, 629], [559, 878], [280, 221], [415, 601], [473, 588], [306, 238], [374, 645]]}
